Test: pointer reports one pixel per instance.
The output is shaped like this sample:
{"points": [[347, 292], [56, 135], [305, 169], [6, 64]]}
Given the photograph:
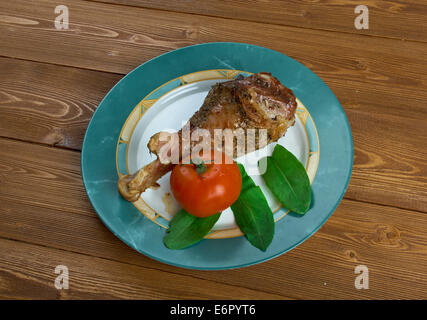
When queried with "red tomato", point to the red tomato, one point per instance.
{"points": [[204, 191]]}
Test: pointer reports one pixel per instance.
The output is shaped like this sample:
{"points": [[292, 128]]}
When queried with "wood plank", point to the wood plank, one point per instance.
{"points": [[41, 192], [348, 59], [26, 169], [390, 241], [52, 104], [118, 38], [49, 104], [390, 165], [27, 271], [394, 19]]}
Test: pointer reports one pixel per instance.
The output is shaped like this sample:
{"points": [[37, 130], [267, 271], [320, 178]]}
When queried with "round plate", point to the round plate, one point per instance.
{"points": [[116, 138]]}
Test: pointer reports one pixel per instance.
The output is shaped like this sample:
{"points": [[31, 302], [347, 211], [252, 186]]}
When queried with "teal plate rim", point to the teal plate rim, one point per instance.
{"points": [[128, 224]]}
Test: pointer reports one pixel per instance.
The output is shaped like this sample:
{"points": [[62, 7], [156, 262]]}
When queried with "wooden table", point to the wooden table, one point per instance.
{"points": [[51, 81]]}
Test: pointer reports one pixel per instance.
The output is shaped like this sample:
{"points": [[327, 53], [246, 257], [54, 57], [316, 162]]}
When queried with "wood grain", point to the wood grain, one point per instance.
{"points": [[390, 241], [385, 99], [393, 249], [26, 168], [49, 104], [394, 19], [347, 59], [390, 160], [27, 271], [116, 39], [52, 105], [46, 218]]}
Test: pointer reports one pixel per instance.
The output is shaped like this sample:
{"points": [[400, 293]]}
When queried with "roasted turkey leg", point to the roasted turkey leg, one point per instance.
{"points": [[259, 101]]}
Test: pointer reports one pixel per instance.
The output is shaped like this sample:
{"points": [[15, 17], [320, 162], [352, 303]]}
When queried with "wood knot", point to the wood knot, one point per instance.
{"points": [[191, 32], [54, 137], [360, 65], [387, 235], [351, 255]]}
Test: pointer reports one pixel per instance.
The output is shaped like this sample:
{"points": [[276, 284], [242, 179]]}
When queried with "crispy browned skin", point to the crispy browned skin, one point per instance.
{"points": [[259, 101]]}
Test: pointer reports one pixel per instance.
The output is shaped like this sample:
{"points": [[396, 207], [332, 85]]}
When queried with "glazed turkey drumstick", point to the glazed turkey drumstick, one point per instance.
{"points": [[259, 101]]}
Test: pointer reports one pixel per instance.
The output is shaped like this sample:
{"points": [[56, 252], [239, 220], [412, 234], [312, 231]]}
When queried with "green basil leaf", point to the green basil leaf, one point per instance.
{"points": [[186, 229], [252, 213], [254, 217], [288, 181]]}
